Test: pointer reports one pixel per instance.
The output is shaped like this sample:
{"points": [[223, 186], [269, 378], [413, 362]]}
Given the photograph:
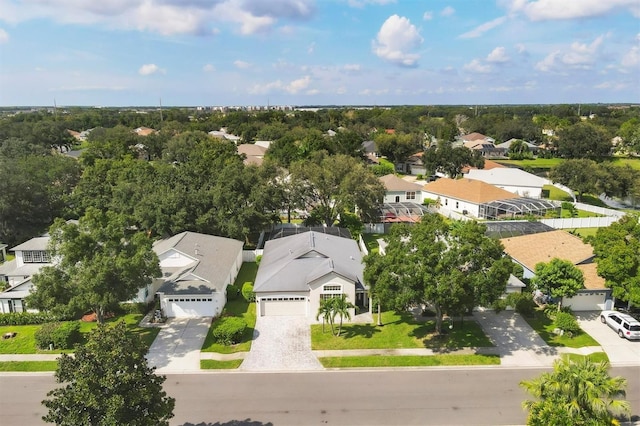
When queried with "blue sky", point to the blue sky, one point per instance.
{"points": [[318, 52]]}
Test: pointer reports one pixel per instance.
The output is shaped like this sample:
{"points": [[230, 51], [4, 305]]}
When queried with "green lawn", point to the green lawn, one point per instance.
{"points": [[25, 342], [28, 366], [585, 232], [408, 361], [240, 308], [371, 241], [399, 331], [211, 364], [594, 357], [544, 326], [557, 193]]}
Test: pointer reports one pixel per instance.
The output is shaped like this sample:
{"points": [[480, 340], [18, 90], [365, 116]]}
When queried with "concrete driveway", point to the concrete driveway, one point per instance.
{"points": [[177, 346], [621, 352], [281, 343]]}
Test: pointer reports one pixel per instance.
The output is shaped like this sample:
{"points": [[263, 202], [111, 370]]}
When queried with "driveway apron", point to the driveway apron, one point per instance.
{"points": [[518, 344], [281, 343], [620, 351], [177, 346]]}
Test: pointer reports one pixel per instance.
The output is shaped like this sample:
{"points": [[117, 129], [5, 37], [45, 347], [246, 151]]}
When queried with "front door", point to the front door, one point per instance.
{"points": [[397, 198]]}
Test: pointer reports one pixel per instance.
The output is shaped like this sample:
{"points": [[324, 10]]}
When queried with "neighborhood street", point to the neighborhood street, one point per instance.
{"points": [[451, 396]]}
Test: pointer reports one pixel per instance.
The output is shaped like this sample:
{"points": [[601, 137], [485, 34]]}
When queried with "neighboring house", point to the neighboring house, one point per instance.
{"points": [[298, 271], [483, 144], [31, 256], [144, 131], [506, 145], [529, 250], [413, 165], [370, 151], [488, 165], [222, 134], [253, 153], [514, 285], [481, 200], [510, 179], [196, 271], [399, 190]]}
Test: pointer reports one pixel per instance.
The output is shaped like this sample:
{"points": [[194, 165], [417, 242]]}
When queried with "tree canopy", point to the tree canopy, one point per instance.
{"points": [[446, 159], [451, 267], [584, 140], [559, 278], [100, 262], [108, 382]]}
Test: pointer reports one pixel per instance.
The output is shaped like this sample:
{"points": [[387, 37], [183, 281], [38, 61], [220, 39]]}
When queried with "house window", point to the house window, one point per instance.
{"points": [[446, 202], [332, 288], [328, 296], [35, 256], [457, 204], [411, 195]]}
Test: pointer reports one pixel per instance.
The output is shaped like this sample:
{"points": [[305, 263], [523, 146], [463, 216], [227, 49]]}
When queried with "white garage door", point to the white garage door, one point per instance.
{"points": [[586, 301], [279, 306], [189, 307]]}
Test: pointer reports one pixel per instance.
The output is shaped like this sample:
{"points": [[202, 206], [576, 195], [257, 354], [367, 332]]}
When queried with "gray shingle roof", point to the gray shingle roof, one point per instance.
{"points": [[291, 263]]}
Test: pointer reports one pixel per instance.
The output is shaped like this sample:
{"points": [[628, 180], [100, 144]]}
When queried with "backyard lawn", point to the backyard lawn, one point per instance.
{"points": [[371, 241], [238, 308], [399, 331], [544, 326]]}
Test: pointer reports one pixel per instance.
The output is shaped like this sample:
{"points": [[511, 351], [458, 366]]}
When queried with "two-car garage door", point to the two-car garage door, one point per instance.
{"points": [[189, 307], [281, 306]]}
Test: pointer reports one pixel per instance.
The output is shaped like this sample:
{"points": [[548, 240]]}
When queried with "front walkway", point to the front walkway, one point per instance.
{"points": [[176, 349], [281, 343]]}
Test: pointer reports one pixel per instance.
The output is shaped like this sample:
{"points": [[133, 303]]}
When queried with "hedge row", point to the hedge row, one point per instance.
{"points": [[28, 318], [229, 330], [61, 335]]}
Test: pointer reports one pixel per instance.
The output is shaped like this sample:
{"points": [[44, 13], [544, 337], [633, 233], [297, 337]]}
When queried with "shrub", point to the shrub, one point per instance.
{"points": [[229, 330], [28, 318], [419, 176], [247, 292], [522, 303], [135, 308], [566, 322], [232, 292], [60, 335], [258, 259]]}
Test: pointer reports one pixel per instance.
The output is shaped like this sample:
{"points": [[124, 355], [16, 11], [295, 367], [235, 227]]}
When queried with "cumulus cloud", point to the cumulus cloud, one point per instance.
{"points": [[148, 69], [632, 58], [298, 85], [427, 16], [293, 87], [476, 66], [208, 68], [498, 55], [544, 10], [4, 37], [577, 56], [481, 29], [396, 40], [448, 11], [165, 17], [241, 64]]}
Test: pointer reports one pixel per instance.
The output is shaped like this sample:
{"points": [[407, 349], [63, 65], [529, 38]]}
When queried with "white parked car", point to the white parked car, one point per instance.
{"points": [[625, 325]]}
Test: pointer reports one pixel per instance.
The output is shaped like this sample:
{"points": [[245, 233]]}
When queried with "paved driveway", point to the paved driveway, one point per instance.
{"points": [[177, 346], [620, 351], [281, 343]]}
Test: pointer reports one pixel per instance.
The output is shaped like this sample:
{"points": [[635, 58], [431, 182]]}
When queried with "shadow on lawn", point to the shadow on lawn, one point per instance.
{"points": [[360, 330]]}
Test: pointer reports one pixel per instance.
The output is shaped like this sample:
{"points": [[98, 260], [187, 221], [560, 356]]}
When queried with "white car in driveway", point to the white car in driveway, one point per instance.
{"points": [[625, 325]]}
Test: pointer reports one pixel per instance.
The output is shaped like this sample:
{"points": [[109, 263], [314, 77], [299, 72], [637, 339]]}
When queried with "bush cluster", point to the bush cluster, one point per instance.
{"points": [[522, 303], [62, 335], [229, 330], [28, 318], [247, 292], [135, 308], [566, 322], [232, 292]]}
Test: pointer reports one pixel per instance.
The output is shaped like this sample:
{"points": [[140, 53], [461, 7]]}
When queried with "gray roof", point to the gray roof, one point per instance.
{"points": [[213, 258], [392, 182], [508, 143], [506, 176], [514, 282], [11, 268], [18, 291], [291, 263], [37, 243]]}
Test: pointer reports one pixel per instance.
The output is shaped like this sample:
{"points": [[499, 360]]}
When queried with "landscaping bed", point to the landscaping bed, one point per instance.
{"points": [[544, 326]]}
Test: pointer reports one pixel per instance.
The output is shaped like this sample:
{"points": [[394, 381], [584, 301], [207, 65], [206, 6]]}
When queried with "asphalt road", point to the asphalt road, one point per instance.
{"points": [[406, 397]]}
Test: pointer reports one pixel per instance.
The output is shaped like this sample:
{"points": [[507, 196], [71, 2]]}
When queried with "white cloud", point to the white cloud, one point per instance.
{"points": [[632, 57], [297, 85], [148, 69], [448, 11], [352, 67], [543, 10], [577, 56], [363, 3], [548, 63], [208, 68], [427, 16], [481, 29], [293, 87], [311, 48], [4, 36], [522, 49], [477, 66], [395, 41], [498, 55], [241, 64]]}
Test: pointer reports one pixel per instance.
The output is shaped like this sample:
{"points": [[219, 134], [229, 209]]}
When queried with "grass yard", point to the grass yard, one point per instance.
{"points": [[25, 342], [371, 241], [408, 361], [557, 193], [544, 326], [399, 331], [212, 364], [31, 366], [594, 357], [585, 232], [239, 308]]}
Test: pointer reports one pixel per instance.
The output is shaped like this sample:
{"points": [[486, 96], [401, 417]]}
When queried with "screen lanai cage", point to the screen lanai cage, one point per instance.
{"points": [[515, 207], [403, 212]]}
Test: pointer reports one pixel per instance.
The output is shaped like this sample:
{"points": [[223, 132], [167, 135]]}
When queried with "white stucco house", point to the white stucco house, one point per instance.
{"points": [[196, 271], [513, 180], [529, 250], [399, 190], [298, 271]]}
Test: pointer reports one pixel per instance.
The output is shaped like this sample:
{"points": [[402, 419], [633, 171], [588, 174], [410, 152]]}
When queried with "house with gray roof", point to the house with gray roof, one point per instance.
{"points": [[196, 271], [298, 271]]}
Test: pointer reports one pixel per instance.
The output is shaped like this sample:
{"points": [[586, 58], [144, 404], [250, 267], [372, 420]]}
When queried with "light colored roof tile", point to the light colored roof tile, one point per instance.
{"points": [[392, 182], [474, 191]]}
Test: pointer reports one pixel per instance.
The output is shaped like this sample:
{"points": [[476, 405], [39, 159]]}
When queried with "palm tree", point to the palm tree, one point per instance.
{"points": [[576, 393], [340, 306], [325, 310]]}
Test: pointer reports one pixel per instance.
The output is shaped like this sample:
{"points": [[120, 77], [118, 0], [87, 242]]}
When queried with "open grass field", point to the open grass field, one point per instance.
{"points": [[400, 330], [547, 163], [408, 361], [544, 326], [240, 308]]}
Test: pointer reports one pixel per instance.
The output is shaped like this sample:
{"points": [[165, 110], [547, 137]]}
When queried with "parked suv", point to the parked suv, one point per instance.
{"points": [[625, 325]]}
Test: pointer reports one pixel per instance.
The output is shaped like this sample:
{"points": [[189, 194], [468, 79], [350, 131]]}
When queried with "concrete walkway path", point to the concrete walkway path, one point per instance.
{"points": [[176, 349], [281, 343]]}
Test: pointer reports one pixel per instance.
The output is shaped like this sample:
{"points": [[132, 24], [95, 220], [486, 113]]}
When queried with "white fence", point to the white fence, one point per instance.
{"points": [[250, 255], [599, 210], [363, 246], [580, 222]]}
